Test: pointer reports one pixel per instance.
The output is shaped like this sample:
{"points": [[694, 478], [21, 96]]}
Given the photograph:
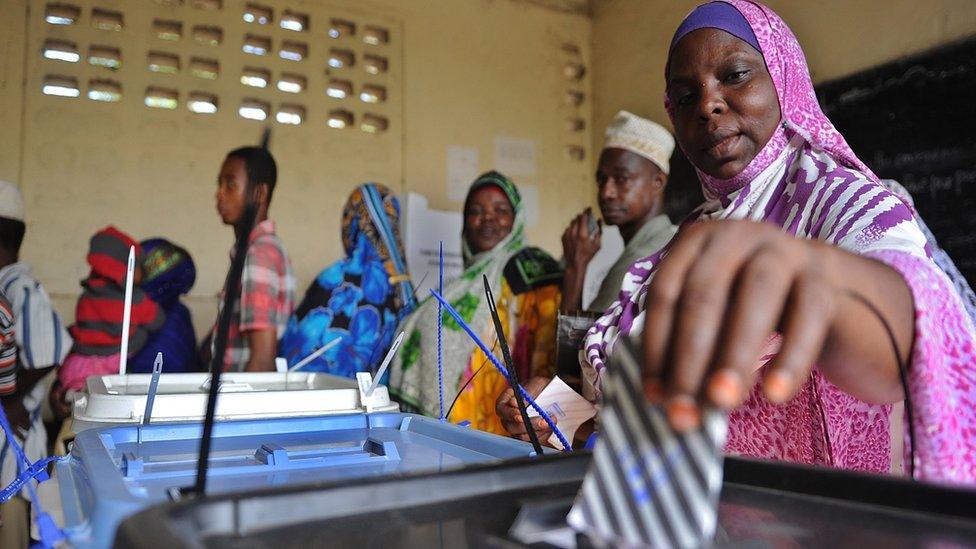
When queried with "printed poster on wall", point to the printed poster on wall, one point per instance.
{"points": [[423, 230]]}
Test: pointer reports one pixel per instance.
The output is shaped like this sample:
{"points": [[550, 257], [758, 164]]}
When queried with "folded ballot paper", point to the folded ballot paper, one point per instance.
{"points": [[648, 486], [566, 406]]}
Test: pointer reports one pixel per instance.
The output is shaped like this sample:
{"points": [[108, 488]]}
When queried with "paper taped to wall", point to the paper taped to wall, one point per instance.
{"points": [[462, 170], [423, 230], [515, 157]]}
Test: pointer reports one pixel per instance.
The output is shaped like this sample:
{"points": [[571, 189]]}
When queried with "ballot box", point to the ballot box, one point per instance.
{"points": [[524, 503], [113, 473], [116, 400]]}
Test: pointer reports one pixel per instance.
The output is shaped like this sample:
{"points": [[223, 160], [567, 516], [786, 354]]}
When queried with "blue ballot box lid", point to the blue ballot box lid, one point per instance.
{"points": [[113, 473]]}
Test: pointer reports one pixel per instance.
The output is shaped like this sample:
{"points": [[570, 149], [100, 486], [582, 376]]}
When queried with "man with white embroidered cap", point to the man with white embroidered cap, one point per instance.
{"points": [[42, 343], [631, 178]]}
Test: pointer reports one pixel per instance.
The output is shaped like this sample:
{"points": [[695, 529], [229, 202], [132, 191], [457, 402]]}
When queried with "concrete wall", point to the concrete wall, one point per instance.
{"points": [[12, 48], [463, 73], [839, 37]]}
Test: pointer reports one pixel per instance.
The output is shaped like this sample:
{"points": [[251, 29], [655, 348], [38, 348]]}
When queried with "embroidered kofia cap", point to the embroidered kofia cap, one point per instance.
{"points": [[11, 201], [640, 136]]}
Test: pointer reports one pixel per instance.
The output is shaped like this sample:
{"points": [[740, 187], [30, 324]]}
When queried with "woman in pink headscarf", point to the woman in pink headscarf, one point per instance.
{"points": [[799, 239]]}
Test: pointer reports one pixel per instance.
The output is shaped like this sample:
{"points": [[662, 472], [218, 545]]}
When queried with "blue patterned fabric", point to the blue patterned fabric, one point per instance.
{"points": [[359, 299]]}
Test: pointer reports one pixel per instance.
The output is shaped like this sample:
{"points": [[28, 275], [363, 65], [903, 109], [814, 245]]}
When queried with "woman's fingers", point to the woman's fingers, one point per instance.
{"points": [[701, 312], [660, 303], [760, 292], [538, 424], [805, 324], [715, 299], [686, 330], [513, 424]]}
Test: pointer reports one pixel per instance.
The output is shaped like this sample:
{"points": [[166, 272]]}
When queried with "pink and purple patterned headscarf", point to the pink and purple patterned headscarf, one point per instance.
{"points": [[761, 28]]}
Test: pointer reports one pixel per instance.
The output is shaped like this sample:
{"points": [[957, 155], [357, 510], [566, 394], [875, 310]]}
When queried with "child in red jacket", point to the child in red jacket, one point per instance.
{"points": [[97, 330]]}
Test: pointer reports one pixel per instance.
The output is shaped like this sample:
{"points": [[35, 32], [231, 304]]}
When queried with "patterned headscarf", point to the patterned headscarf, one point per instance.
{"points": [[358, 299], [167, 271], [514, 238], [371, 221], [413, 374], [760, 27]]}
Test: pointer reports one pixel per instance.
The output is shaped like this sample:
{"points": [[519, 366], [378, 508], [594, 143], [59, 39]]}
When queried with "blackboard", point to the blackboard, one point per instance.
{"points": [[912, 120]]}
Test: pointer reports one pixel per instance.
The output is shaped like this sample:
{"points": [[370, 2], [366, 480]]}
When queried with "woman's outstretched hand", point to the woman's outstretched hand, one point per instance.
{"points": [[726, 286]]}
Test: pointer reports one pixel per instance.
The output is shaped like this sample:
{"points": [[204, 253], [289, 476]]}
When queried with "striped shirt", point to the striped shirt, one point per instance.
{"points": [[267, 294], [8, 349], [42, 338], [42, 342]]}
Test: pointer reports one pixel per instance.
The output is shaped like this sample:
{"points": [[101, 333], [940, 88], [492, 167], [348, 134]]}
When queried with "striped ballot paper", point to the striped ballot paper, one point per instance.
{"points": [[648, 486]]}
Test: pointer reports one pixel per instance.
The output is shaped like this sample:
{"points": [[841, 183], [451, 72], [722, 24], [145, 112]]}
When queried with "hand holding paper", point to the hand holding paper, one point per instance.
{"points": [[511, 417], [566, 407]]}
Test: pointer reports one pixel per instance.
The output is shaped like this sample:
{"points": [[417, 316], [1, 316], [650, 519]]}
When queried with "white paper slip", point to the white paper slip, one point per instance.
{"points": [[566, 406], [648, 485]]}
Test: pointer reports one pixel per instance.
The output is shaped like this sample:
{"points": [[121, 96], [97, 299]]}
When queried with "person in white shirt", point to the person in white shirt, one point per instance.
{"points": [[42, 344]]}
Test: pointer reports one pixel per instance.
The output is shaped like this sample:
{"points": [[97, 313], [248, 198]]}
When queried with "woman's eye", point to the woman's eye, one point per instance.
{"points": [[684, 99], [736, 76]]}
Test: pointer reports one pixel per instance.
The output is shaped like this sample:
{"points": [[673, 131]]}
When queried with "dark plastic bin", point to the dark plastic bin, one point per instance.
{"points": [[762, 505]]}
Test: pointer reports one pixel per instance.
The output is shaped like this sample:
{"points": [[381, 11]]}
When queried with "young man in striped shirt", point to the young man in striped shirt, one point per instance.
{"points": [[42, 343], [261, 313]]}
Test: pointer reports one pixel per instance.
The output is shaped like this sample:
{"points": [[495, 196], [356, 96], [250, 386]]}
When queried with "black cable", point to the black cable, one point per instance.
{"points": [[902, 373], [419, 284], [512, 374], [232, 291], [470, 379]]}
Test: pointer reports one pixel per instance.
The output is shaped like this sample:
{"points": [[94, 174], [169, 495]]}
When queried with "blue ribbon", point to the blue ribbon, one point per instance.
{"points": [[27, 471]]}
